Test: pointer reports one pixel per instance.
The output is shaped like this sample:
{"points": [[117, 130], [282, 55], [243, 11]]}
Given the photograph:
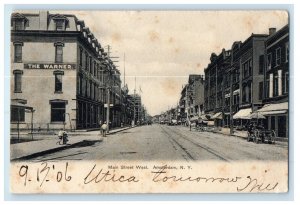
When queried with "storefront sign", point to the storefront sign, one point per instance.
{"points": [[49, 66]]}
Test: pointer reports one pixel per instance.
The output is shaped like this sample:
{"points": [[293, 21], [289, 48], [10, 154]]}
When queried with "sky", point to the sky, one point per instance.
{"points": [[163, 47]]}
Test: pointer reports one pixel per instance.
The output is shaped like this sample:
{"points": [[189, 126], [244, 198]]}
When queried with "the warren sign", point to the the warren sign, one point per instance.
{"points": [[49, 66]]}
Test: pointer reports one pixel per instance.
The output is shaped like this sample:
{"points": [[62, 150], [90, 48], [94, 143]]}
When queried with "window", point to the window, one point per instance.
{"points": [[92, 90], [79, 89], [278, 56], [18, 80], [286, 83], [60, 25], [261, 64], [83, 87], [247, 68], [267, 88], [58, 110], [58, 81], [275, 85], [80, 56], [91, 65], [260, 94], [17, 114], [244, 93], [59, 52], [19, 24], [269, 61], [250, 67], [287, 52], [88, 88], [86, 61], [18, 52]]}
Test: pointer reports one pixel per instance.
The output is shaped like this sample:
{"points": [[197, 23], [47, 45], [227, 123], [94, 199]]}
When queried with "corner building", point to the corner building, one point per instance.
{"points": [[59, 70]]}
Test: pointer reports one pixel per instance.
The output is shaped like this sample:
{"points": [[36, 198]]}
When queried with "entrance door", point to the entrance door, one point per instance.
{"points": [[282, 126]]}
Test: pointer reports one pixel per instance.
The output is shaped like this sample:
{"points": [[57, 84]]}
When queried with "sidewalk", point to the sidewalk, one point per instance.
{"points": [[48, 143], [244, 135]]}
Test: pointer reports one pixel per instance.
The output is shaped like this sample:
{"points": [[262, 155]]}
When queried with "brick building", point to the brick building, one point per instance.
{"points": [[60, 73]]}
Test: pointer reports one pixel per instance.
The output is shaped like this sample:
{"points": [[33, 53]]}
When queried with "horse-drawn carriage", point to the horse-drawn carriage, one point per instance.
{"points": [[261, 135]]}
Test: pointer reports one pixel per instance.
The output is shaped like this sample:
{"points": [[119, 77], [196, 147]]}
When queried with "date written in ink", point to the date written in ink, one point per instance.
{"points": [[42, 174]]}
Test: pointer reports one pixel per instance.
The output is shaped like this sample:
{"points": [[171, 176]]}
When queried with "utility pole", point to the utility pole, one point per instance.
{"points": [[108, 106], [231, 94], [124, 70], [134, 99], [108, 87]]}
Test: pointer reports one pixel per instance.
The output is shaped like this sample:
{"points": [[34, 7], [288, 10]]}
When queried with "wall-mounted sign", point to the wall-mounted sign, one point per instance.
{"points": [[49, 66]]}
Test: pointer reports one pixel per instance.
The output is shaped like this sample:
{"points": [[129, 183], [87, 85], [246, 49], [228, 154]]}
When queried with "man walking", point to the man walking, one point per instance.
{"points": [[104, 129], [100, 125]]}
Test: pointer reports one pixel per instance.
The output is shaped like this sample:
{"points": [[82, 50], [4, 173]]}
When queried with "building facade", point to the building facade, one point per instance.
{"points": [[249, 77], [276, 81], [61, 71], [214, 91]]}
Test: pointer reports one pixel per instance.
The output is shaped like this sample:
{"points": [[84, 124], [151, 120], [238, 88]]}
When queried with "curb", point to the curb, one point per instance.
{"points": [[111, 133], [56, 149], [62, 147]]}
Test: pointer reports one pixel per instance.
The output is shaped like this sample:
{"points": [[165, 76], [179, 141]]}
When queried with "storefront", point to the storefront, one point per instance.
{"points": [[276, 118], [242, 117]]}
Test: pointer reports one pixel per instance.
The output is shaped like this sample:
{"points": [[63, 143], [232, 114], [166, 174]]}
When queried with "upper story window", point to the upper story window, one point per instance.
{"points": [[18, 22], [261, 64], [18, 52], [80, 56], [58, 81], [269, 61], [287, 52], [18, 80], [278, 56], [247, 68], [59, 52], [61, 22]]}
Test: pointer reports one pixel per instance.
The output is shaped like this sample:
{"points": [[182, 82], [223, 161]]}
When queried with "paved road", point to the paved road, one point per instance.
{"points": [[162, 142]]}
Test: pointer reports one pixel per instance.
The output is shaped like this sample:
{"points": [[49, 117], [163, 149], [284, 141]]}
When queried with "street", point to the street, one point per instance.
{"points": [[162, 142]]}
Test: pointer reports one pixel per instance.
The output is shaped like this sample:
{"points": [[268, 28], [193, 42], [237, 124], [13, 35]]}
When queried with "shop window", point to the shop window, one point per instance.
{"points": [[58, 81], [17, 114], [18, 52], [59, 52], [18, 81], [58, 111]]}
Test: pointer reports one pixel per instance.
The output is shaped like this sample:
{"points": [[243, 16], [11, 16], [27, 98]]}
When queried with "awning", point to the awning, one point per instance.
{"points": [[227, 95], [274, 109], [218, 115], [236, 92], [194, 118], [203, 117], [242, 114], [20, 105], [256, 115]]}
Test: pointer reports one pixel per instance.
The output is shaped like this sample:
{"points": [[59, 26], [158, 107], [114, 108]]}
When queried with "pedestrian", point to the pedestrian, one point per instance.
{"points": [[100, 125], [190, 124], [104, 129], [63, 137]]}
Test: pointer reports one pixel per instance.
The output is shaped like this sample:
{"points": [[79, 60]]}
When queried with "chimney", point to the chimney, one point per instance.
{"points": [[44, 20], [272, 31]]}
